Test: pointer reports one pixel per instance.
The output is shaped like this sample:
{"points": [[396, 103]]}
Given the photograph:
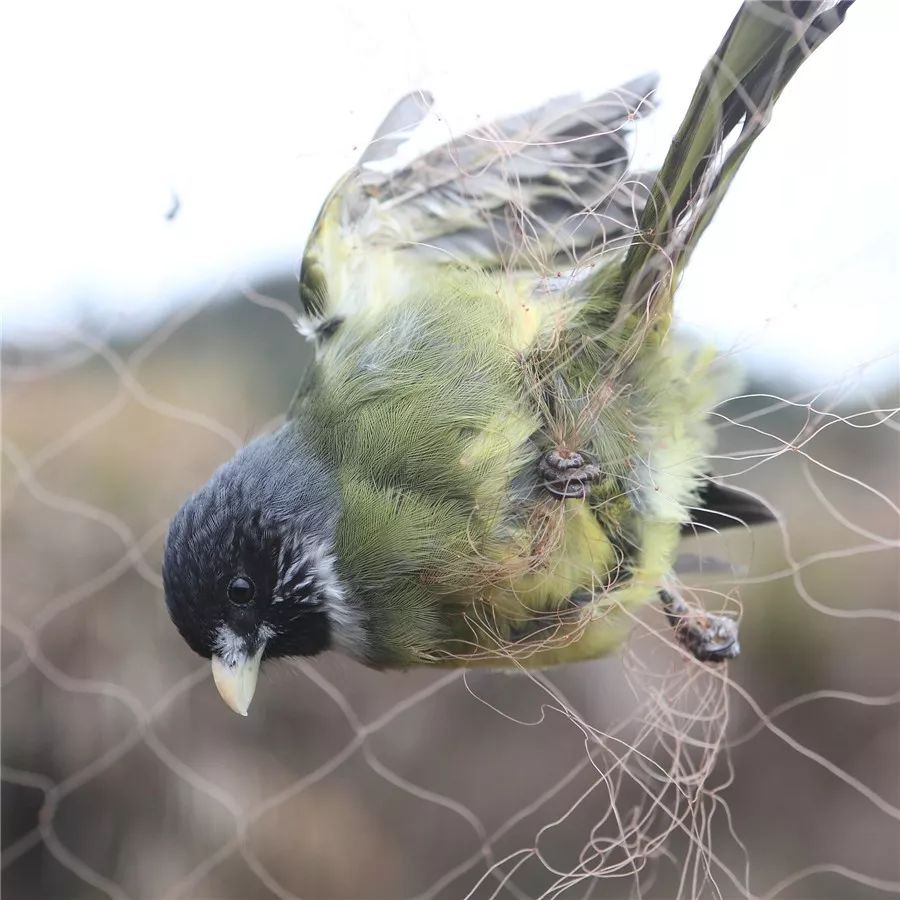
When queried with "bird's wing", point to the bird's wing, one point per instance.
{"points": [[531, 193]]}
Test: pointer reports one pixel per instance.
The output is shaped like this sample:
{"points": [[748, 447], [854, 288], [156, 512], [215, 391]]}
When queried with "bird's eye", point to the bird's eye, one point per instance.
{"points": [[241, 590]]}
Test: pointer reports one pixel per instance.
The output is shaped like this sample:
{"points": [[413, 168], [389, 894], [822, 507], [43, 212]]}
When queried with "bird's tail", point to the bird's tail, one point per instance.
{"points": [[762, 50]]}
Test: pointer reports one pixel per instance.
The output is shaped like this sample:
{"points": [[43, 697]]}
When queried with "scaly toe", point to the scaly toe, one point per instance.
{"points": [[711, 638]]}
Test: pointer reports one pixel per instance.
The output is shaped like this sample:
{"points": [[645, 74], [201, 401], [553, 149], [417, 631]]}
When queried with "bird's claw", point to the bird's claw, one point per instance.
{"points": [[709, 637], [568, 473]]}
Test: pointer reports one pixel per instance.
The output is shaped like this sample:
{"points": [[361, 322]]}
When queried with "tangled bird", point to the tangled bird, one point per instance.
{"points": [[502, 439]]}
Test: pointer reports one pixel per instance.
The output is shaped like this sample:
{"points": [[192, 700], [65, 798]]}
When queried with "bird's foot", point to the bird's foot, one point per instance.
{"points": [[568, 473], [708, 636]]}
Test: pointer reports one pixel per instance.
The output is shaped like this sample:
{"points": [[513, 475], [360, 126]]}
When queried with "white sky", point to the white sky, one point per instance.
{"points": [[250, 112]]}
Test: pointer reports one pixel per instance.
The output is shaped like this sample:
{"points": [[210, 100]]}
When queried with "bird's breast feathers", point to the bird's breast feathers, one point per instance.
{"points": [[435, 407]]}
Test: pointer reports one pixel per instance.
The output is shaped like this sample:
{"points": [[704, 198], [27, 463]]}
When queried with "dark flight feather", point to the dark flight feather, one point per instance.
{"points": [[719, 507]]}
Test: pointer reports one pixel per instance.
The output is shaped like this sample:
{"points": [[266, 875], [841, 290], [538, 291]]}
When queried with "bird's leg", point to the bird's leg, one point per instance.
{"points": [[544, 624], [711, 638], [568, 473]]}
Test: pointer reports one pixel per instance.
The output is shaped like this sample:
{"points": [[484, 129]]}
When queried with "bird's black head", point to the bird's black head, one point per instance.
{"points": [[248, 571]]}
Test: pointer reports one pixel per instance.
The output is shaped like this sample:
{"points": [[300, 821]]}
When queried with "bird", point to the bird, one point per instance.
{"points": [[501, 439]]}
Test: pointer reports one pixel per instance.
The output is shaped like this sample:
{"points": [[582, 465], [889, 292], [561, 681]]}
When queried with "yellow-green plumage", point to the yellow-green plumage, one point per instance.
{"points": [[446, 367], [432, 409]]}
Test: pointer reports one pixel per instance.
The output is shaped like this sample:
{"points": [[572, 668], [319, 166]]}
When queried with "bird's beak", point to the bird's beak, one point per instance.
{"points": [[237, 682]]}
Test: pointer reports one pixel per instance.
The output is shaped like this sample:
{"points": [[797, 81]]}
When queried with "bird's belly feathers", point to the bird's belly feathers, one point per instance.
{"points": [[446, 540]]}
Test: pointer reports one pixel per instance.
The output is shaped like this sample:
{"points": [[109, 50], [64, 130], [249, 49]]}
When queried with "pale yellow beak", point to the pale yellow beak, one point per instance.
{"points": [[237, 683]]}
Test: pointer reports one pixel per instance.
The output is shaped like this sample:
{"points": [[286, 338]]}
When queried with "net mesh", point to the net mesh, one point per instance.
{"points": [[646, 774], [125, 777]]}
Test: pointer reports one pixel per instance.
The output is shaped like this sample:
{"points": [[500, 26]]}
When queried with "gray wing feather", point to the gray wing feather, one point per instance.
{"points": [[404, 117], [531, 193], [542, 186]]}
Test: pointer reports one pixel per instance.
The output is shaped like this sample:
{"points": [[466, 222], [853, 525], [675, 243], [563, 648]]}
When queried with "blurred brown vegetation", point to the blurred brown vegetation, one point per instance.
{"points": [[97, 458]]}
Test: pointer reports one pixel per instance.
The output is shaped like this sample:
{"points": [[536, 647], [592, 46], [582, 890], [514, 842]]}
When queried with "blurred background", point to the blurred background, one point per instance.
{"points": [[166, 164]]}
